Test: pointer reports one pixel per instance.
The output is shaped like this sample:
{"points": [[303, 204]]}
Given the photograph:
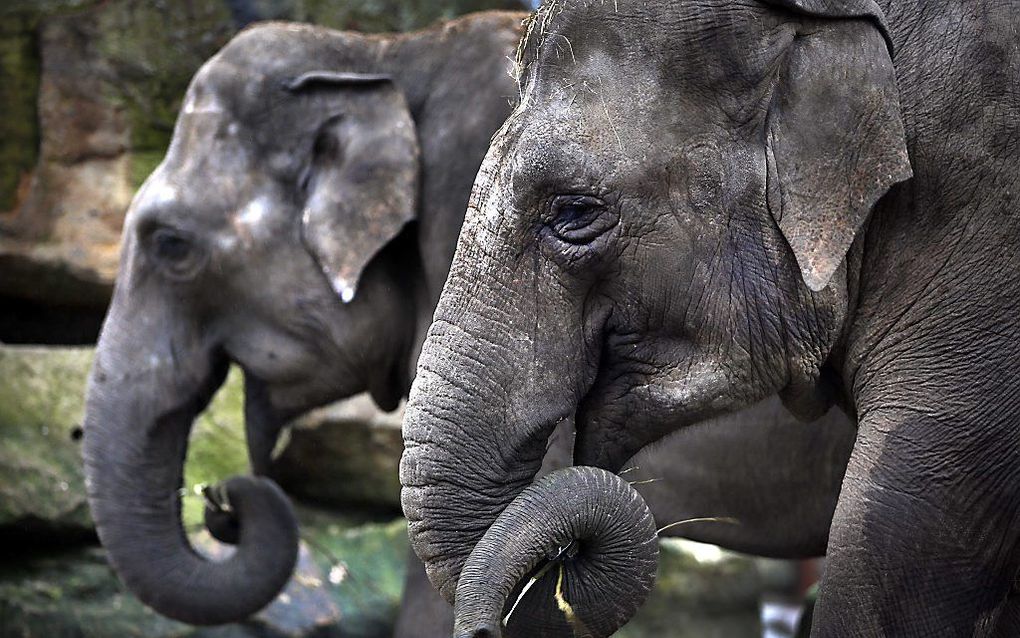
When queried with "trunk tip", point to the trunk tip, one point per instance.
{"points": [[484, 630]]}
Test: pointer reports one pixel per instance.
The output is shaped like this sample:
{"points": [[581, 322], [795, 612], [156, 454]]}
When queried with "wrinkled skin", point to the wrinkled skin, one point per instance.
{"points": [[701, 204], [300, 226]]}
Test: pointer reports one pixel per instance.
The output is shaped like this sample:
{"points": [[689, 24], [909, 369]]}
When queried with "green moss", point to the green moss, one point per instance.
{"points": [[367, 564], [42, 400], [142, 165], [155, 49], [217, 449], [699, 598], [19, 88], [43, 7], [389, 15], [75, 593], [342, 456]]}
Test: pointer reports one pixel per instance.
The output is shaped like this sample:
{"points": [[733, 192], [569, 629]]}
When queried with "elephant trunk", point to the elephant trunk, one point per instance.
{"points": [[602, 539], [492, 384], [461, 464], [144, 394]]}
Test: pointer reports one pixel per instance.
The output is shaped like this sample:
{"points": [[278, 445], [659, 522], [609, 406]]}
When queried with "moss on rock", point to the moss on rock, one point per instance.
{"points": [[90, 90], [217, 448], [343, 455], [75, 593], [390, 15], [350, 573], [701, 592], [19, 85], [41, 405]]}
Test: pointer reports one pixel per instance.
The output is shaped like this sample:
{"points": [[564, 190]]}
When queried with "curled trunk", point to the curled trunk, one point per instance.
{"points": [[144, 394], [600, 535], [508, 358]]}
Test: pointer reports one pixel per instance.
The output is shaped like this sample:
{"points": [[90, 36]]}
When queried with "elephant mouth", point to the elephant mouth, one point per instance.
{"points": [[600, 442], [263, 423]]}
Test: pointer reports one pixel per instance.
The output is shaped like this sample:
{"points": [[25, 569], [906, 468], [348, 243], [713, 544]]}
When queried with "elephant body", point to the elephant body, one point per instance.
{"points": [[696, 206]]}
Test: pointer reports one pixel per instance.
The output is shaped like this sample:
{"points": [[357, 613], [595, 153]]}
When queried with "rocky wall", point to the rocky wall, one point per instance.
{"points": [[90, 90]]}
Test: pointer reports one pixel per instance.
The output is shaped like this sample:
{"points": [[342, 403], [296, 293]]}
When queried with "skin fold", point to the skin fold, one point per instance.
{"points": [[698, 205]]}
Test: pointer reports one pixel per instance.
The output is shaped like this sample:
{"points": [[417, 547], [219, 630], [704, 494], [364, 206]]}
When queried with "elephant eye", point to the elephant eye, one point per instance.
{"points": [[177, 253], [580, 219]]}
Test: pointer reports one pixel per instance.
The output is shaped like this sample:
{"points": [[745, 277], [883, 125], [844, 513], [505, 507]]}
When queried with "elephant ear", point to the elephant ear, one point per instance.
{"points": [[361, 184], [834, 134]]}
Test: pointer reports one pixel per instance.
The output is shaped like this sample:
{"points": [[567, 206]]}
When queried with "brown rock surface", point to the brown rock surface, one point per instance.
{"points": [[90, 91]]}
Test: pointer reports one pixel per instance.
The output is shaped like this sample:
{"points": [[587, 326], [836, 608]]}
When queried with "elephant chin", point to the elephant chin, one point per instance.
{"points": [[588, 540]]}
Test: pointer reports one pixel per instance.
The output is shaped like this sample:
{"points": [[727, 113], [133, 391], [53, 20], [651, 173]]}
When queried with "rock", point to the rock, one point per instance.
{"points": [[350, 572], [363, 568], [346, 454], [90, 93], [348, 583], [19, 130], [75, 593], [42, 401], [372, 15], [110, 78]]}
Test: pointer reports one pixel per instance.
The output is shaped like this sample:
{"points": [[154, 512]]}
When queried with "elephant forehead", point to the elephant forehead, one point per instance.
{"points": [[209, 141], [211, 185], [710, 52], [203, 99]]}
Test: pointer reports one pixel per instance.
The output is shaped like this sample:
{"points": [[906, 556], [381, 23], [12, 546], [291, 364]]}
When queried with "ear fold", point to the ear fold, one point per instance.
{"points": [[835, 140], [841, 9], [362, 179]]}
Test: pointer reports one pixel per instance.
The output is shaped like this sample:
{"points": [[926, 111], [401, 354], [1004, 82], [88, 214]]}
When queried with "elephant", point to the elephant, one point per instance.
{"points": [[700, 204], [301, 226]]}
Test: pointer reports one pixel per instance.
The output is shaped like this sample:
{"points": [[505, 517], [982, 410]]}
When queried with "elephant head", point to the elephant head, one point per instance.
{"points": [[658, 235], [273, 235]]}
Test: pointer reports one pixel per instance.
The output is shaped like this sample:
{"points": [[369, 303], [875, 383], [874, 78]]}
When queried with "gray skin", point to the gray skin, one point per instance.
{"points": [[219, 266], [701, 204], [300, 226]]}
